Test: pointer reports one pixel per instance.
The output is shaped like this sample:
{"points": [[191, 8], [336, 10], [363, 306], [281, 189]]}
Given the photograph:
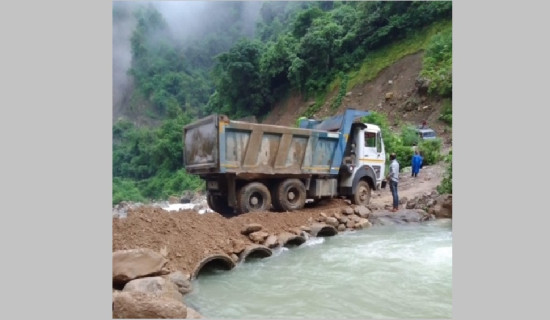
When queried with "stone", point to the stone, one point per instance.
{"points": [[272, 241], [181, 280], [137, 263], [237, 245], [157, 286], [140, 305], [347, 211], [362, 211], [252, 227], [258, 236], [332, 221]]}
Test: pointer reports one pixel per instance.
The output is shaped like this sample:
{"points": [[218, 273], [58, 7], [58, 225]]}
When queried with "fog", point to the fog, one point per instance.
{"points": [[188, 21]]}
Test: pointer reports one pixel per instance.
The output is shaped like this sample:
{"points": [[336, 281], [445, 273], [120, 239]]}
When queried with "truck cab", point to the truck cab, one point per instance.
{"points": [[364, 158]]}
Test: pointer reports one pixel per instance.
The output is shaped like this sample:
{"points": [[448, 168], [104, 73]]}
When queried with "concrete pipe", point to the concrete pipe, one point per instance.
{"points": [[215, 261], [255, 251], [323, 230], [288, 239]]}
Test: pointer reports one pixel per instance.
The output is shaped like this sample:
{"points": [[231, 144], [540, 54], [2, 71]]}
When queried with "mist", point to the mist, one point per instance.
{"points": [[188, 21]]}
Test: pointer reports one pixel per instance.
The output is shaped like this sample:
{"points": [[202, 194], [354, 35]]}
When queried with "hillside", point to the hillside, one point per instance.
{"points": [[397, 81]]}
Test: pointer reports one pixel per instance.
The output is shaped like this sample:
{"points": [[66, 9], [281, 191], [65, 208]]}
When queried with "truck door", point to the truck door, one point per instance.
{"points": [[373, 152]]}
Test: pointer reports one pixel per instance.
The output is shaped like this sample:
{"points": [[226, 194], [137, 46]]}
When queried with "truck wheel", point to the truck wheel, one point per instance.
{"points": [[362, 193], [290, 195], [219, 204], [254, 197]]}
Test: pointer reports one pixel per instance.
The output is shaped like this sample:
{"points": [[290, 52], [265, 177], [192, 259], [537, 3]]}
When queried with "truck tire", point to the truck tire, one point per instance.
{"points": [[362, 193], [290, 195], [219, 204], [253, 197]]}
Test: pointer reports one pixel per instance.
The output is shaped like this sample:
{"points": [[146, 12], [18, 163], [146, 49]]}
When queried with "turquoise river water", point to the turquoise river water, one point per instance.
{"points": [[384, 272]]}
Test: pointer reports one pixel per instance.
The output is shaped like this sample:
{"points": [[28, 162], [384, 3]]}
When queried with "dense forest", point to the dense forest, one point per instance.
{"points": [[242, 60]]}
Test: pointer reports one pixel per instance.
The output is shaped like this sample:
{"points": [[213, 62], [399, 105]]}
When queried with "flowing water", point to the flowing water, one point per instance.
{"points": [[398, 271]]}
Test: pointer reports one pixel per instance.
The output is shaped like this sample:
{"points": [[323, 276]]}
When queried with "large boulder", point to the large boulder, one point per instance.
{"points": [[141, 305], [181, 281], [137, 263], [444, 206], [156, 286]]}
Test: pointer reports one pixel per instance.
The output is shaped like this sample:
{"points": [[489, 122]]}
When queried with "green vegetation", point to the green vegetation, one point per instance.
{"points": [[446, 185], [447, 112], [438, 63]]}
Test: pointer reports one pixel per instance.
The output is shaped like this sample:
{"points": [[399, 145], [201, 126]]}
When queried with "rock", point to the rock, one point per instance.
{"points": [[411, 204], [140, 305], [390, 82], [350, 224], [252, 227], [181, 281], [341, 227], [362, 211], [332, 221], [363, 223], [347, 211], [343, 219], [422, 85], [443, 205], [237, 245], [234, 257], [156, 286], [258, 236], [389, 95], [272, 241], [137, 263], [173, 200], [193, 314]]}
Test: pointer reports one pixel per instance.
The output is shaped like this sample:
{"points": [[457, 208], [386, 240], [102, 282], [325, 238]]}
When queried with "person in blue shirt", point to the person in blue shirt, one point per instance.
{"points": [[416, 163]]}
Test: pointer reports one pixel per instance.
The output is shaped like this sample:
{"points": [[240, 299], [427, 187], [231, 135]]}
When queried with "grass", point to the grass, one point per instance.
{"points": [[380, 59]]}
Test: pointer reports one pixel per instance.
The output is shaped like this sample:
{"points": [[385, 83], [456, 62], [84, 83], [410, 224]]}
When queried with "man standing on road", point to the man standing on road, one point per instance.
{"points": [[393, 179]]}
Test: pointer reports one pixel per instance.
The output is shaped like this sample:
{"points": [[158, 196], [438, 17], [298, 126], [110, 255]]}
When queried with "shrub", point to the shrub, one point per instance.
{"points": [[447, 112], [125, 190], [430, 150], [446, 185], [409, 136]]}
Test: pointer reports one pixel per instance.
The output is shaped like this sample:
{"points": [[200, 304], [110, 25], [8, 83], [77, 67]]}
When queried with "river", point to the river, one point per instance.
{"points": [[384, 272]]}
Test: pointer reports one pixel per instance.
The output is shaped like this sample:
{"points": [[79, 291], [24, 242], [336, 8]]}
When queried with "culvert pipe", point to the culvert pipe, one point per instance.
{"points": [[323, 230], [255, 251], [288, 239], [215, 261]]}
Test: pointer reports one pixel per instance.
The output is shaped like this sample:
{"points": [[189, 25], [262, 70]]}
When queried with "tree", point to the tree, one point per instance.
{"points": [[240, 87]]}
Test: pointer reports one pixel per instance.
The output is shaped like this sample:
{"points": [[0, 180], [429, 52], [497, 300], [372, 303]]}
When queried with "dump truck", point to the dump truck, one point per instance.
{"points": [[258, 167]]}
